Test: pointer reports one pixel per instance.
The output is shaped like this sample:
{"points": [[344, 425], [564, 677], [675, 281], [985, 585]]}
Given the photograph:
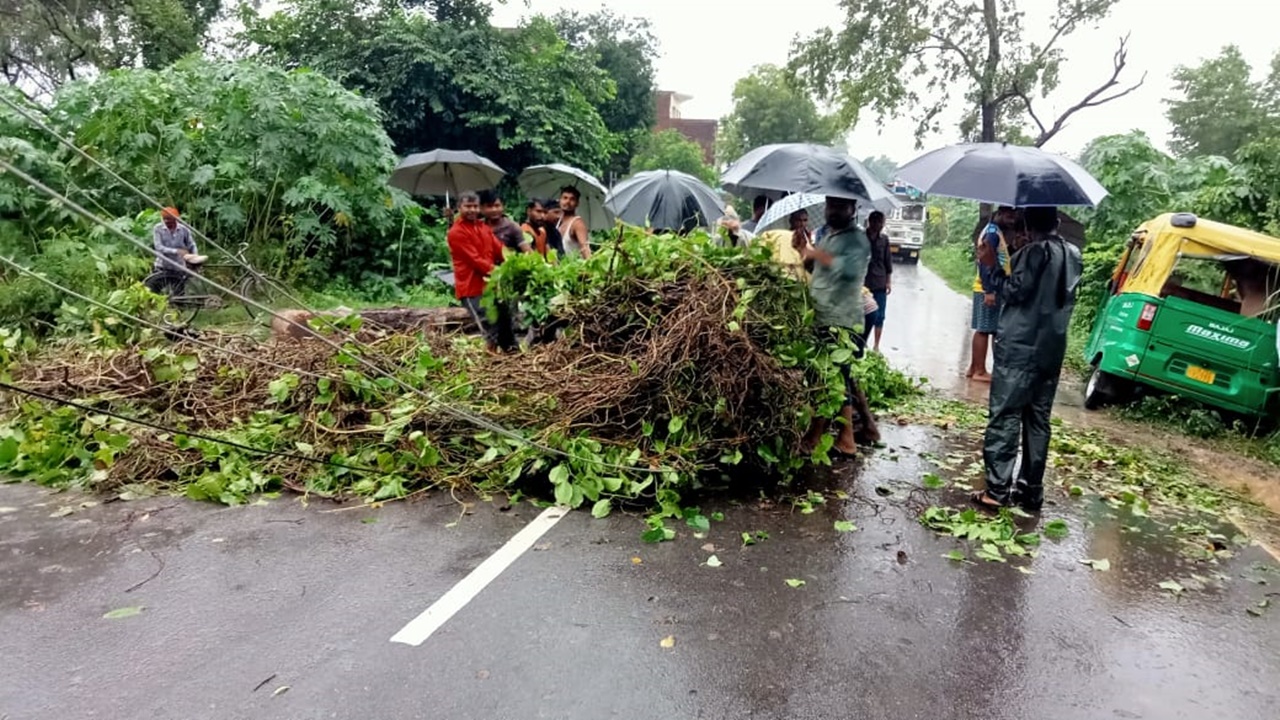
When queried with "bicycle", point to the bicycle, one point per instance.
{"points": [[187, 294]]}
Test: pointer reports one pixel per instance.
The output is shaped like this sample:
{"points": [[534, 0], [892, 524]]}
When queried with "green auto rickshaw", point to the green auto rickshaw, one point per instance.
{"points": [[1191, 310]]}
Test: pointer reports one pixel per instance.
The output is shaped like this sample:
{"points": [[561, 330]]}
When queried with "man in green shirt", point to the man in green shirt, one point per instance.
{"points": [[839, 267]]}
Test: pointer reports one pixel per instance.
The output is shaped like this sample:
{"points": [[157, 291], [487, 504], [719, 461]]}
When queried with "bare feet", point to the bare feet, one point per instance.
{"points": [[981, 377]]}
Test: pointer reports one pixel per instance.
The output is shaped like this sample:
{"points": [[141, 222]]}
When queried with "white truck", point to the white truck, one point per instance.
{"points": [[905, 225]]}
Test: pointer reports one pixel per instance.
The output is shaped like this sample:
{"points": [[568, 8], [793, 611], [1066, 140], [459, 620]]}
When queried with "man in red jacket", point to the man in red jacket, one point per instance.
{"points": [[476, 251]]}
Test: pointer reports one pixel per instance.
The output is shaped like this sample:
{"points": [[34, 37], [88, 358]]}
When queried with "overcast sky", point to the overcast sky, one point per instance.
{"points": [[707, 45]]}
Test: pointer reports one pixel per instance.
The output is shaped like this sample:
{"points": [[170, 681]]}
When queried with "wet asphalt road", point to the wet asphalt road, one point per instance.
{"points": [[286, 611]]}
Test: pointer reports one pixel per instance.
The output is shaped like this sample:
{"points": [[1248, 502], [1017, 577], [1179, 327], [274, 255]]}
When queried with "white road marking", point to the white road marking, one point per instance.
{"points": [[431, 619]]}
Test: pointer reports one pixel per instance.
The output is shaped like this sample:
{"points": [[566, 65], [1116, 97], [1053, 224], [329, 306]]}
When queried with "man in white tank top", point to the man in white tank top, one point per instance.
{"points": [[573, 229]]}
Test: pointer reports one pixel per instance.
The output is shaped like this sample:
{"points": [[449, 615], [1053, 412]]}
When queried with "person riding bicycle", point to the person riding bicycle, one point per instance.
{"points": [[173, 243]]}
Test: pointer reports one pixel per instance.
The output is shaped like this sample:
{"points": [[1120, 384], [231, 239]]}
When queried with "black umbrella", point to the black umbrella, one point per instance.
{"points": [[803, 168], [1003, 174], [665, 199]]}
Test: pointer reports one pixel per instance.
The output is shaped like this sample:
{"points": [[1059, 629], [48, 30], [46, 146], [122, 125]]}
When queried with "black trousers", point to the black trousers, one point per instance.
{"points": [[1021, 403], [500, 333]]}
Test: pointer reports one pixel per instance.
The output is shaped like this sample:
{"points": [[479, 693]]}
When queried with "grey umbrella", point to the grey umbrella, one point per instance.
{"points": [[1003, 174], [445, 172], [546, 181], [665, 199], [803, 168]]}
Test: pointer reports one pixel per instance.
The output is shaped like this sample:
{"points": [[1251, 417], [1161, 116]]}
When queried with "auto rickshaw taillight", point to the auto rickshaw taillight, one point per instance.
{"points": [[1147, 317]]}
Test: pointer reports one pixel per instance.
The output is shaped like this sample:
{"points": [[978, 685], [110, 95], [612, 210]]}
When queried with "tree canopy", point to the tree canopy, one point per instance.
{"points": [[48, 42], [669, 150], [768, 107], [284, 160], [1220, 108], [919, 57], [624, 49], [520, 97]]}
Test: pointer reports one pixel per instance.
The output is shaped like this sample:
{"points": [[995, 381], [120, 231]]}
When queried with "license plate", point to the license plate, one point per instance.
{"points": [[1200, 374], [894, 248]]}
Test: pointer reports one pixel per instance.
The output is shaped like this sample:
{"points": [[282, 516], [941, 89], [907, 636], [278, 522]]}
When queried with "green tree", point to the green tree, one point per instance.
{"points": [[285, 160], [768, 107], [882, 166], [520, 97], [1219, 108], [669, 150], [982, 56], [624, 49], [49, 42]]}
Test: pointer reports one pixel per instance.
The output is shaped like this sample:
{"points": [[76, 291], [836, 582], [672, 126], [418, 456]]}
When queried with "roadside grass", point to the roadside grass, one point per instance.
{"points": [[953, 263]]}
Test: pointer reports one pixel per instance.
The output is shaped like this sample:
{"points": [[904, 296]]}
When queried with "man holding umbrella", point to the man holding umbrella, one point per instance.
{"points": [[839, 263], [1039, 294]]}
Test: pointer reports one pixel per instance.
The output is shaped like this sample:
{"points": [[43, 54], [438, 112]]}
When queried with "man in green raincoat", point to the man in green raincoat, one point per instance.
{"points": [[1039, 294]]}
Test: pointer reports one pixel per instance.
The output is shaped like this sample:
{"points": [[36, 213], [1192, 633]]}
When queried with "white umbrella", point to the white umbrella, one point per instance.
{"points": [[776, 217], [445, 172], [546, 181]]}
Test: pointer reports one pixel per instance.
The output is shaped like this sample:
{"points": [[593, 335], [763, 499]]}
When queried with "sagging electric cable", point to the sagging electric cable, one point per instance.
{"points": [[153, 202], [156, 326], [8, 387], [328, 323], [464, 415]]}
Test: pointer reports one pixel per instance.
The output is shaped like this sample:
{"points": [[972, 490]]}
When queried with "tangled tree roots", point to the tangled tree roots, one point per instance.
{"points": [[645, 353]]}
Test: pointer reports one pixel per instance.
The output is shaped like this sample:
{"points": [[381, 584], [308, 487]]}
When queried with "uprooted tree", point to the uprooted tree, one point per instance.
{"points": [[682, 366], [978, 51]]}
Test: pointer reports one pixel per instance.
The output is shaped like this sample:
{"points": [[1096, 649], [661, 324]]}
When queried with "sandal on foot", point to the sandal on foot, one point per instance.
{"points": [[983, 500]]}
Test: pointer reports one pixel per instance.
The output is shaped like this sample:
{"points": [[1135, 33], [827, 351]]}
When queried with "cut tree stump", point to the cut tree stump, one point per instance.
{"points": [[404, 320]]}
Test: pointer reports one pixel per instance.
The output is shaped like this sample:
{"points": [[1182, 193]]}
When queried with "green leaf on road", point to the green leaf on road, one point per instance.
{"points": [[602, 508], [933, 481], [793, 582], [845, 526], [123, 612], [1102, 565], [564, 494], [714, 562], [657, 534], [559, 475], [699, 523], [955, 555], [1056, 529], [1172, 586], [717, 516]]}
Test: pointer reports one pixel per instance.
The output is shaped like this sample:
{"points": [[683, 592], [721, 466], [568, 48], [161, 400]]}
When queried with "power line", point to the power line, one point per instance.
{"points": [[154, 203], [466, 416], [174, 431], [156, 326]]}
